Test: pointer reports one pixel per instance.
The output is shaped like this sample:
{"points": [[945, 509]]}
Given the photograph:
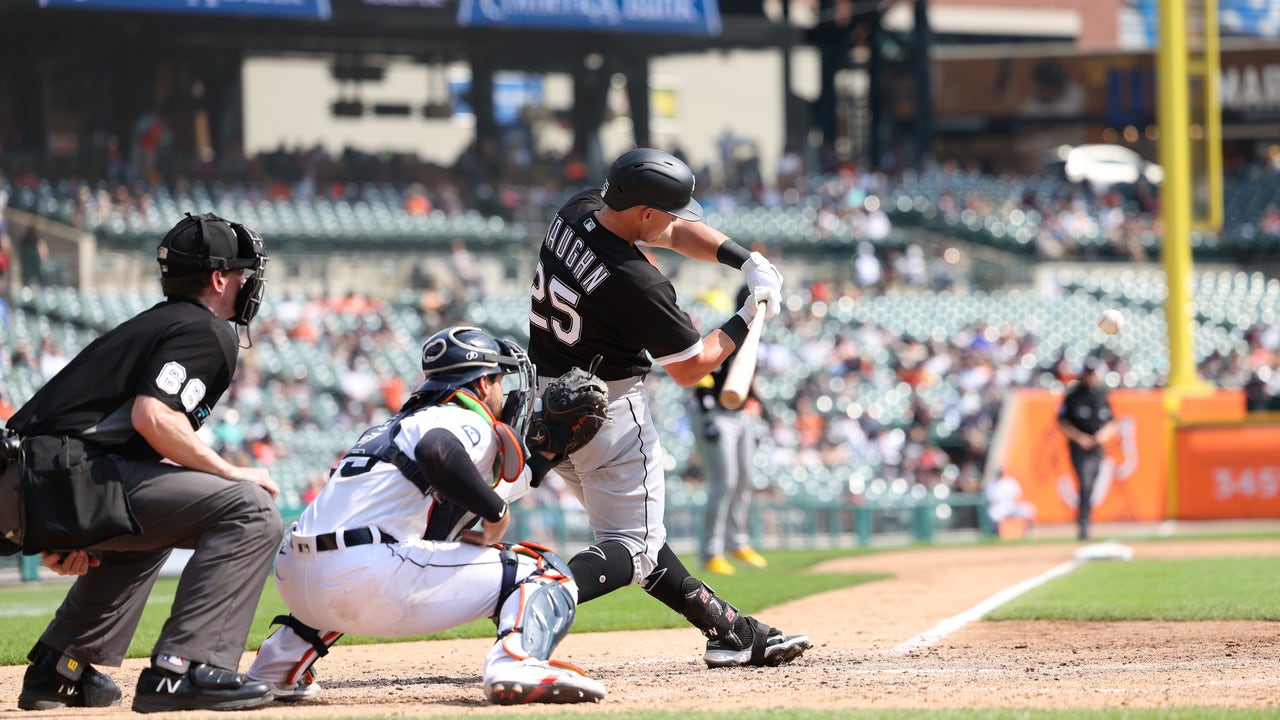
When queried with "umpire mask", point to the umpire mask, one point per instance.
{"points": [[249, 299]]}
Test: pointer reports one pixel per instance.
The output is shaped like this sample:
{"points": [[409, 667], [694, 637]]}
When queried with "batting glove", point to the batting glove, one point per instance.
{"points": [[764, 283]]}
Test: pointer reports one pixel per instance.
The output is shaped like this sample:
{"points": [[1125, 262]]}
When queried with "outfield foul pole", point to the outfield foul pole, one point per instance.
{"points": [[1174, 117]]}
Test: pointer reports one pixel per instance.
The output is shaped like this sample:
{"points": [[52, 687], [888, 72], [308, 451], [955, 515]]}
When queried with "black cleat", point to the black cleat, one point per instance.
{"points": [[202, 687], [754, 643], [56, 681]]}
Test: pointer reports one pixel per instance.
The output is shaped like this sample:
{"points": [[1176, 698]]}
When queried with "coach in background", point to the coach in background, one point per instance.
{"points": [[726, 442], [100, 503], [1086, 419]]}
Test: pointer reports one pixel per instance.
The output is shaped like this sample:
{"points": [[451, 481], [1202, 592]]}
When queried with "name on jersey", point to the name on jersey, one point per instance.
{"points": [[565, 244]]}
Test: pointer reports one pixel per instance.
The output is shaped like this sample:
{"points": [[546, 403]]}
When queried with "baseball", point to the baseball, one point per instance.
{"points": [[1111, 321]]}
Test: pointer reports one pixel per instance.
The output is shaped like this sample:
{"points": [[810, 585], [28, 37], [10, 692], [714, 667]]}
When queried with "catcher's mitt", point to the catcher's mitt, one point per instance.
{"points": [[574, 407]]}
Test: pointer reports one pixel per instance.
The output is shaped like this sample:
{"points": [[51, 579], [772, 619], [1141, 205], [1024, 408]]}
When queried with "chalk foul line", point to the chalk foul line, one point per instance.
{"points": [[955, 622]]}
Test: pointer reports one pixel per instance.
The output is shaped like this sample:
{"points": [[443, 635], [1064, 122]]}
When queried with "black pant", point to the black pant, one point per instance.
{"points": [[1086, 464]]}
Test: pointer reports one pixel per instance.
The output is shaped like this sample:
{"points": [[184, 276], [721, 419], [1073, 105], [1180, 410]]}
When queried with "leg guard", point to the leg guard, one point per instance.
{"points": [[532, 621], [303, 671], [708, 612]]}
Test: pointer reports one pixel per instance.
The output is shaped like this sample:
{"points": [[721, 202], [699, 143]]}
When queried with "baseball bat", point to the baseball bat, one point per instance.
{"points": [[737, 382]]}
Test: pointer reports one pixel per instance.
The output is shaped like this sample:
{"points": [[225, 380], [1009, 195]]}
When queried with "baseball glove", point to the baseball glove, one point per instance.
{"points": [[574, 407]]}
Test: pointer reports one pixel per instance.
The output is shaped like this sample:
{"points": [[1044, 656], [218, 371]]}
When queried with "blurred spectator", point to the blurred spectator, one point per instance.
{"points": [[1013, 516]]}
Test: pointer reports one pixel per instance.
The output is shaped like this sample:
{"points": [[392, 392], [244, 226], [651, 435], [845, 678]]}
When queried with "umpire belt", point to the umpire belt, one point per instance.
{"points": [[340, 539]]}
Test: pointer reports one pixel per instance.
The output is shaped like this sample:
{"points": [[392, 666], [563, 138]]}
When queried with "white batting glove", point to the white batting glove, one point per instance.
{"points": [[764, 283]]}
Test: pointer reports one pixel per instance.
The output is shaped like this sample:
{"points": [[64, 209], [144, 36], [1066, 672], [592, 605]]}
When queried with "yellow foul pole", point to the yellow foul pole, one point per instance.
{"points": [[1174, 117], [1173, 114]]}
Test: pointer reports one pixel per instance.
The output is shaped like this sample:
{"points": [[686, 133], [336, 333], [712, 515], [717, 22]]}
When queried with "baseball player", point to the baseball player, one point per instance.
{"points": [[362, 558], [726, 442], [594, 293], [93, 441]]}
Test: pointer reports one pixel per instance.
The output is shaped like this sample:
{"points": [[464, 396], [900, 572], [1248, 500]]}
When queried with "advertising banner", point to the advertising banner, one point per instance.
{"points": [[1131, 484], [299, 9], [1229, 471], [695, 17]]}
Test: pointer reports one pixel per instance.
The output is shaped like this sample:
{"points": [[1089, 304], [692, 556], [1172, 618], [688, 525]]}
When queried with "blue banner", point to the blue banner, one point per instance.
{"points": [[307, 9], [691, 17], [1256, 18]]}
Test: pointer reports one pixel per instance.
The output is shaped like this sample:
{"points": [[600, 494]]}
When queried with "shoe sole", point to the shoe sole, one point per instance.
{"points": [[28, 703], [517, 693], [165, 704], [774, 655]]}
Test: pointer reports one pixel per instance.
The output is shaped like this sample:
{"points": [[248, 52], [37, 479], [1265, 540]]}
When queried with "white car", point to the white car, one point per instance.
{"points": [[1105, 166]]}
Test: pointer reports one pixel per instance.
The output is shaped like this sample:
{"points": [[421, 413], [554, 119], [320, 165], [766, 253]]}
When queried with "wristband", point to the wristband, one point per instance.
{"points": [[736, 328], [732, 254]]}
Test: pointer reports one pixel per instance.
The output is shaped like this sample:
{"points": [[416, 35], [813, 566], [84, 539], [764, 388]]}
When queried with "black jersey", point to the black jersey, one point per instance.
{"points": [[596, 294], [177, 351], [1086, 409]]}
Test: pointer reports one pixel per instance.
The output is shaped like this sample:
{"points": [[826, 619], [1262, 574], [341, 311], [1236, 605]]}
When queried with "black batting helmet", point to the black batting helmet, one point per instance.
{"points": [[652, 178]]}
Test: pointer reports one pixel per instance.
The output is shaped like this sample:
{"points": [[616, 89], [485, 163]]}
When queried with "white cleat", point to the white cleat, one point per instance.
{"points": [[540, 681], [298, 692]]}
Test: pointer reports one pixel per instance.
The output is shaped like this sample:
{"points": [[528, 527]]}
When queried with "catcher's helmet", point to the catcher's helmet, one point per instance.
{"points": [[651, 178], [458, 356]]}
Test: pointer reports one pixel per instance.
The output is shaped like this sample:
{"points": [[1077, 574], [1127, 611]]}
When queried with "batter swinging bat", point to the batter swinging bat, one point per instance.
{"points": [[737, 382]]}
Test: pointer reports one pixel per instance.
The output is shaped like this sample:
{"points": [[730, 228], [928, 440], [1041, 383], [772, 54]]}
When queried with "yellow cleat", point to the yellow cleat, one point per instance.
{"points": [[749, 556], [719, 566]]}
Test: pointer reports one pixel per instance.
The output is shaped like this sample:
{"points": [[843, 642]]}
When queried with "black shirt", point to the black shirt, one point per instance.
{"points": [[596, 294], [1086, 409], [177, 351]]}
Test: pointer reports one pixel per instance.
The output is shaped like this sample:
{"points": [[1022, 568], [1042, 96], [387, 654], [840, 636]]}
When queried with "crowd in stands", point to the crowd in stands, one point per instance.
{"points": [[819, 418], [330, 366], [1064, 220]]}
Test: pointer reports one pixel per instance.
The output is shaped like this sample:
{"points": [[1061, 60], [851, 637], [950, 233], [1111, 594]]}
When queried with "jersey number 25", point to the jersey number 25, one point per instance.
{"points": [[563, 300]]}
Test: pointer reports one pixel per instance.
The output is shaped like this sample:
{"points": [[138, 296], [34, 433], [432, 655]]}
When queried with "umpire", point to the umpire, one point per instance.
{"points": [[100, 504], [1086, 419]]}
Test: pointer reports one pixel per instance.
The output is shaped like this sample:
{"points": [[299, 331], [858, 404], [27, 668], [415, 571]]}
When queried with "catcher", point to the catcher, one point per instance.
{"points": [[377, 552]]}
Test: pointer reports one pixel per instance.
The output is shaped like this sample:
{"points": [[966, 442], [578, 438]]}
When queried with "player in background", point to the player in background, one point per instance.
{"points": [[726, 442], [595, 294], [376, 553], [129, 400]]}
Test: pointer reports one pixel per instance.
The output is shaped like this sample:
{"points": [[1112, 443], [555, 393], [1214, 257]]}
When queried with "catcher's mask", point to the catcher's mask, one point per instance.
{"points": [[458, 356], [651, 178], [204, 243]]}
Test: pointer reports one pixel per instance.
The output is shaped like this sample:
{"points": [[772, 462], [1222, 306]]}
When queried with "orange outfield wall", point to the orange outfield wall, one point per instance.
{"points": [[1222, 468], [1132, 481], [1228, 472]]}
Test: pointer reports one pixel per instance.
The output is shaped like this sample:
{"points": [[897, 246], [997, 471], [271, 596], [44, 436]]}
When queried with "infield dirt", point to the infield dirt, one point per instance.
{"points": [[854, 662]]}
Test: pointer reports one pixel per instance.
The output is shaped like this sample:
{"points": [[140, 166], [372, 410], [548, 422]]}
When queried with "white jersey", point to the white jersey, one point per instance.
{"points": [[363, 491]]}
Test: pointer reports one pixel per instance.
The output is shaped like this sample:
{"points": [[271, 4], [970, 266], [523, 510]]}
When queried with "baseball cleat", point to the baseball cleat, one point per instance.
{"points": [[749, 556], [44, 688], [300, 691], [539, 681], [767, 647], [719, 566]]}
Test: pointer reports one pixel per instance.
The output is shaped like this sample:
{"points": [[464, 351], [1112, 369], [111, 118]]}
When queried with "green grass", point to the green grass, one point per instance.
{"points": [[1195, 589], [25, 610]]}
